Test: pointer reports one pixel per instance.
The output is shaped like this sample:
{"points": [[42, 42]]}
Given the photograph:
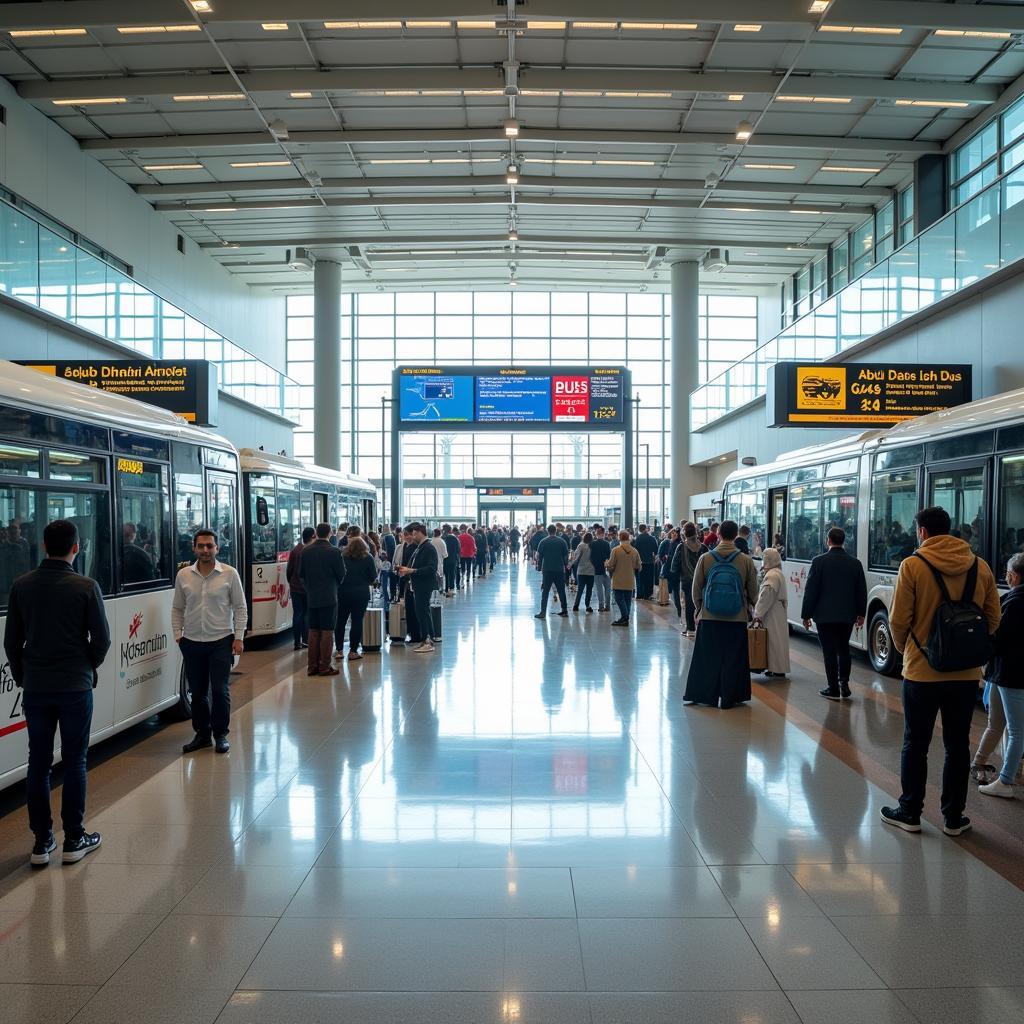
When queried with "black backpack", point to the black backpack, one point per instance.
{"points": [[958, 638]]}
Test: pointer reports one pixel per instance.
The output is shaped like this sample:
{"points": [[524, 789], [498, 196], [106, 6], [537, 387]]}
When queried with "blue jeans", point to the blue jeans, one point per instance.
{"points": [[602, 586], [623, 601], [72, 713], [1013, 705]]}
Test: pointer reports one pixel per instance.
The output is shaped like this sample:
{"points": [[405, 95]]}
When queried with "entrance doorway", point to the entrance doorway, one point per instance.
{"points": [[522, 516]]}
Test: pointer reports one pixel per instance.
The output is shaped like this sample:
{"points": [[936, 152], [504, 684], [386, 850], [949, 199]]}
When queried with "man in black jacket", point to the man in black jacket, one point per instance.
{"points": [[57, 637], [835, 597], [451, 560], [321, 569], [552, 557], [421, 574], [647, 548]]}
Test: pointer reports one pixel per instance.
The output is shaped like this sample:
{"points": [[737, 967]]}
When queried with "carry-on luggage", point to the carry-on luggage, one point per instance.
{"points": [[663, 592], [757, 648], [436, 611], [373, 629], [396, 621]]}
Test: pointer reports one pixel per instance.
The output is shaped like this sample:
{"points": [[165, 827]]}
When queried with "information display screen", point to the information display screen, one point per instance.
{"points": [[573, 397]]}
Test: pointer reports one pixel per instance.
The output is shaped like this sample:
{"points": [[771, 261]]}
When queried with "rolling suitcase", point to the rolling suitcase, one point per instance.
{"points": [[396, 621], [663, 592], [435, 616], [373, 629]]}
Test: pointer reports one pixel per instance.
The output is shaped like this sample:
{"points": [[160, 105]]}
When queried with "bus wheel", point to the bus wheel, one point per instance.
{"points": [[882, 651], [182, 711]]}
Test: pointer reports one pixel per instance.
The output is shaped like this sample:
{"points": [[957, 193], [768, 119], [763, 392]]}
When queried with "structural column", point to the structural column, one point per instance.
{"points": [[685, 481], [327, 364]]}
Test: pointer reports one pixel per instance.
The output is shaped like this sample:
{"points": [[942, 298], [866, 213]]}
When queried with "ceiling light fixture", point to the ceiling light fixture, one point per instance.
{"points": [[743, 131], [209, 97], [770, 167], [274, 26], [812, 99], [202, 6], [263, 163], [172, 167], [511, 126], [850, 170], [864, 30], [402, 160], [624, 163], [962, 34], [511, 175], [141, 30], [31, 33], [657, 26], [818, 6], [362, 24], [301, 95], [221, 209], [931, 103], [513, 235], [546, 26], [474, 24], [596, 26], [90, 101], [735, 97], [428, 24], [746, 28]]}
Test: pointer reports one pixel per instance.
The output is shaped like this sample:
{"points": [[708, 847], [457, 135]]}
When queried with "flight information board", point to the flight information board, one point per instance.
{"points": [[486, 397]]}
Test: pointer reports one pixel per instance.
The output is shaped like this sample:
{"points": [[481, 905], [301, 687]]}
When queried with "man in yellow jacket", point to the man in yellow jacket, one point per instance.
{"points": [[928, 692]]}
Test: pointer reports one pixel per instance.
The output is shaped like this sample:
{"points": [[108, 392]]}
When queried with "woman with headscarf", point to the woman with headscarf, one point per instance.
{"points": [[770, 611]]}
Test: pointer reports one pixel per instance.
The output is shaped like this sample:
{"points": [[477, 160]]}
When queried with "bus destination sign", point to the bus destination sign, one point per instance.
{"points": [[862, 394], [187, 387]]}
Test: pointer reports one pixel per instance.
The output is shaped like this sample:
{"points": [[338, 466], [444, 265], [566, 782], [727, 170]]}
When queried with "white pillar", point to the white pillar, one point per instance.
{"points": [[327, 364], [685, 480]]}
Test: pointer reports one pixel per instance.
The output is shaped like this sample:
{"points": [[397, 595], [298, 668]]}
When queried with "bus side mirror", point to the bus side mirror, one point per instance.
{"points": [[262, 512]]}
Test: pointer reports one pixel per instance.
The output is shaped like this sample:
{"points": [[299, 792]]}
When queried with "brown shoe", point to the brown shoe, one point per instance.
{"points": [[313, 653], [331, 671], [326, 650]]}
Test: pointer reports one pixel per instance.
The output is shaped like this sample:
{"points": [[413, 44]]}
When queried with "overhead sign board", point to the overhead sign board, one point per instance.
{"points": [[862, 394], [187, 387], [512, 492], [489, 397]]}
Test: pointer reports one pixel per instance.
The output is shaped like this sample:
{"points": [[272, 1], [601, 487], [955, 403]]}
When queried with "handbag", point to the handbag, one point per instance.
{"points": [[663, 592], [757, 648]]}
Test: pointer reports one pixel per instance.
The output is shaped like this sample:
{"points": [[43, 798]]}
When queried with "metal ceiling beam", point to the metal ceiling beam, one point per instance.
{"points": [[898, 13], [584, 136], [580, 79], [384, 238]]}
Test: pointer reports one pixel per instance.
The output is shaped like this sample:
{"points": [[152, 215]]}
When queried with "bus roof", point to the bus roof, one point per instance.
{"points": [[257, 461], [23, 386]]}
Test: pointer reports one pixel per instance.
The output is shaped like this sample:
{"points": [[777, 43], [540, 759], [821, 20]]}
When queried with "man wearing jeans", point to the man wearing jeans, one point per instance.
{"points": [[928, 692], [553, 557], [56, 638], [208, 616]]}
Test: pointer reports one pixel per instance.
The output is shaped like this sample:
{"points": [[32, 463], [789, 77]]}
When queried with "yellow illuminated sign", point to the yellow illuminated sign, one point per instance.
{"points": [[132, 466]]}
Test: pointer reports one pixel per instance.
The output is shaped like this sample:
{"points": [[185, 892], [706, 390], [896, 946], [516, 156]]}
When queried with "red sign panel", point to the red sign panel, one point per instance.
{"points": [[570, 399]]}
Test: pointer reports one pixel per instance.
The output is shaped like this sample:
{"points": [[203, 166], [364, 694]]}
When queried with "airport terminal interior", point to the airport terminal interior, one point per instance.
{"points": [[461, 290]]}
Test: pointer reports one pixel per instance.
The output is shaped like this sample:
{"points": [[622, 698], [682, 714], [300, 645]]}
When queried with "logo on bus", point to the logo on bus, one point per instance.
{"points": [[135, 651]]}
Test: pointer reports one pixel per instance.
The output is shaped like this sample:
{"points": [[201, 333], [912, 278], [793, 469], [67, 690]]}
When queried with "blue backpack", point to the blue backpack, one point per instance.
{"points": [[723, 588]]}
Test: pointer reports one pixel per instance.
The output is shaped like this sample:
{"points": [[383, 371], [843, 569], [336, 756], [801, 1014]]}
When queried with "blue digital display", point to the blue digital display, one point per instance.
{"points": [[513, 399], [436, 398]]}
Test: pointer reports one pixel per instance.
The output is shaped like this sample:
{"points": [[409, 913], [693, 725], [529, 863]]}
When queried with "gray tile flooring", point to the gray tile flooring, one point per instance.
{"points": [[524, 827]]}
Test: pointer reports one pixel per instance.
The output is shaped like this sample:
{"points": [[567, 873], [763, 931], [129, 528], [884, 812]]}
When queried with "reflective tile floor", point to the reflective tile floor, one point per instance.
{"points": [[524, 827]]}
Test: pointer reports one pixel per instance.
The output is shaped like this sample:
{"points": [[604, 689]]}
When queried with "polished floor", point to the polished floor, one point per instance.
{"points": [[527, 826]]}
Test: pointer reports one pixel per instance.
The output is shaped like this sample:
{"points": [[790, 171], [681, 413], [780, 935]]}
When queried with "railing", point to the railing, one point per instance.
{"points": [[46, 270], [971, 242]]}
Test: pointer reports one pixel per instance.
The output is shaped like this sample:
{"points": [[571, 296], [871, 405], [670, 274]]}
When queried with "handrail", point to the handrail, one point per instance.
{"points": [[47, 271], [971, 242]]}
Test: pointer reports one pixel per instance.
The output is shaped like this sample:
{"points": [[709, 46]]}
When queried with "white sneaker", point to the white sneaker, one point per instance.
{"points": [[424, 648], [998, 788]]}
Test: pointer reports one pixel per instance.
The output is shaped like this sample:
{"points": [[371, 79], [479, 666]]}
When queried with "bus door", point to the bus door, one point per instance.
{"points": [[319, 508], [776, 516], [961, 488], [222, 502]]}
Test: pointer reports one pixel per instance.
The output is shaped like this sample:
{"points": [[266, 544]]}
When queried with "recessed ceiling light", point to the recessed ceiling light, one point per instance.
{"points": [[512, 175], [624, 163], [770, 167], [402, 160], [362, 24], [864, 30], [474, 24], [658, 26], [301, 95], [743, 131], [29, 33], [209, 97], [963, 34], [812, 99], [202, 6], [818, 6], [602, 26], [221, 209], [850, 170], [140, 30], [172, 167], [511, 126], [746, 28], [274, 26], [735, 97], [90, 101], [551, 26], [428, 24], [263, 163], [931, 103]]}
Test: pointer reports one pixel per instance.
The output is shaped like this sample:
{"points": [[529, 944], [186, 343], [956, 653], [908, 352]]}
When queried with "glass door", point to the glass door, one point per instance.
{"points": [[963, 492], [222, 501], [777, 519]]}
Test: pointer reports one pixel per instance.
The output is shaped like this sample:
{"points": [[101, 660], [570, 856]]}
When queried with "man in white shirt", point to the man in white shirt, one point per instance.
{"points": [[208, 616]]}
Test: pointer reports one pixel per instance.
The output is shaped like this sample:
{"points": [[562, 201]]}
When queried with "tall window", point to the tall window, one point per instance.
{"points": [[383, 330]]}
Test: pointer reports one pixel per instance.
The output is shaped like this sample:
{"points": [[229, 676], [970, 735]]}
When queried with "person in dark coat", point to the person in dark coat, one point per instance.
{"points": [[647, 548], [321, 570], [421, 574], [354, 596], [552, 558], [55, 640], [451, 560], [835, 598], [296, 590]]}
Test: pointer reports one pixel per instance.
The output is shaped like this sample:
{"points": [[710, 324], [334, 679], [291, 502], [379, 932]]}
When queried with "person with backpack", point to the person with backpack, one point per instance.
{"points": [[835, 598], [724, 590], [684, 564], [944, 612]]}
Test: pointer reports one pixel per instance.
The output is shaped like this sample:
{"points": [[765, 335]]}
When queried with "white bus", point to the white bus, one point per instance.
{"points": [[138, 482], [281, 496], [969, 460]]}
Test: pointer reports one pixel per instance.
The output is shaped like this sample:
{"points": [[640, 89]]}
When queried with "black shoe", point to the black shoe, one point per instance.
{"points": [[222, 745], [76, 849], [540, 615], [575, 607], [621, 622], [830, 694], [589, 610], [197, 743], [41, 851], [902, 819], [956, 826], [844, 691], [563, 614]]}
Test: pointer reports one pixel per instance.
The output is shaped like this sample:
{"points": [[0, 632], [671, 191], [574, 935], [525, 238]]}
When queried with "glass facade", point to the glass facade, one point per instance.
{"points": [[43, 267], [382, 330]]}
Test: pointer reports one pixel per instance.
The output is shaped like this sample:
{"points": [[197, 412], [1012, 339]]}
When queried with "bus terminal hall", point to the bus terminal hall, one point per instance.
{"points": [[511, 512]]}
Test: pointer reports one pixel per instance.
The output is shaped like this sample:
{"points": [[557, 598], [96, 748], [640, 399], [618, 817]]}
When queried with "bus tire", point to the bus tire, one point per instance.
{"points": [[884, 657], [182, 711]]}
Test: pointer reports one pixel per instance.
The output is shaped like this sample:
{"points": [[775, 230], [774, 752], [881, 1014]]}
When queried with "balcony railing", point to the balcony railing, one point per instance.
{"points": [[45, 270], [971, 242]]}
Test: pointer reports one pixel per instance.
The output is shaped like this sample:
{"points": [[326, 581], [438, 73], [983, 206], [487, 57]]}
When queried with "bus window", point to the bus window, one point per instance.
{"points": [[894, 506], [263, 533], [223, 516], [1011, 512], [961, 492], [804, 540], [189, 514], [90, 512], [840, 500], [289, 512], [20, 549], [143, 488]]}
